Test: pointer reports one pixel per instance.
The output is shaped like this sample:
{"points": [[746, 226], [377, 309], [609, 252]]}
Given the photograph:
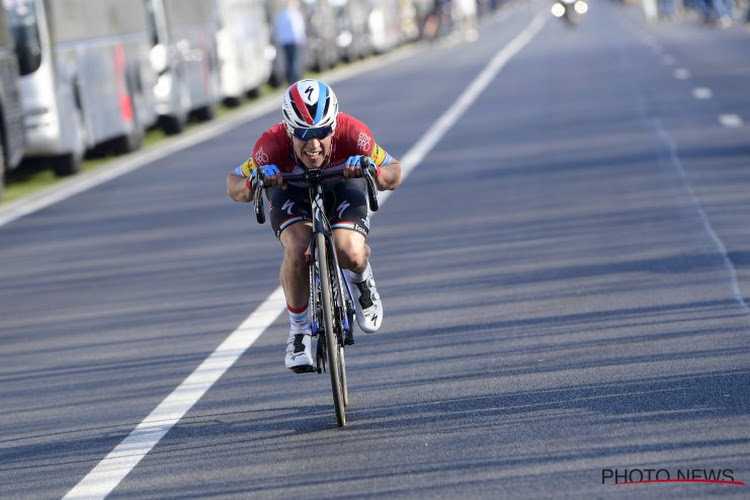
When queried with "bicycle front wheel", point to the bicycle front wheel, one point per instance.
{"points": [[335, 365]]}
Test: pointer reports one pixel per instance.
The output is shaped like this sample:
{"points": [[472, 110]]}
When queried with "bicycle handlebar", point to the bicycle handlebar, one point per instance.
{"points": [[315, 176]]}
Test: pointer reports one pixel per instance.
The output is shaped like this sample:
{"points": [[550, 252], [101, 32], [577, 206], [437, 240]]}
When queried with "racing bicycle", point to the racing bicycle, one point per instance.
{"points": [[332, 304]]}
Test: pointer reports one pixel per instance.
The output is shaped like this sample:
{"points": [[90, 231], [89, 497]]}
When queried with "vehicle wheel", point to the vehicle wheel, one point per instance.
{"points": [[232, 102], [206, 113], [275, 80], [172, 125], [71, 163], [129, 142], [68, 164]]}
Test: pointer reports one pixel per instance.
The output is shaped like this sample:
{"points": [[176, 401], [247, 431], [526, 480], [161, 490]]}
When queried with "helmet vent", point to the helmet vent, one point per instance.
{"points": [[296, 109]]}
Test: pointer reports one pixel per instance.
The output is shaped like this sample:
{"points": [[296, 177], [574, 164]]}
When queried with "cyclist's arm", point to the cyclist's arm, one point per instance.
{"points": [[389, 169], [389, 176], [237, 188]]}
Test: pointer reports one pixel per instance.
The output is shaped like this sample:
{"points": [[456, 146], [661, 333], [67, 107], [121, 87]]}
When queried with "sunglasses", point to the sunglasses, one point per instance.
{"points": [[305, 134]]}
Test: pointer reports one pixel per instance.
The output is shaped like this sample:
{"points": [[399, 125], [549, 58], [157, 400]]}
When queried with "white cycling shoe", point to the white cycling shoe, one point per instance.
{"points": [[298, 353], [367, 304]]}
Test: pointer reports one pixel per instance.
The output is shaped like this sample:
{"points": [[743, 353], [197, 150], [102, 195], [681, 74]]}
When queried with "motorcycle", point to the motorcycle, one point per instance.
{"points": [[570, 10]]}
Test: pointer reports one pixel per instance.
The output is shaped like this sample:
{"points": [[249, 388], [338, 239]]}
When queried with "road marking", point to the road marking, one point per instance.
{"points": [[108, 473], [731, 120], [671, 146], [702, 93], [681, 73]]}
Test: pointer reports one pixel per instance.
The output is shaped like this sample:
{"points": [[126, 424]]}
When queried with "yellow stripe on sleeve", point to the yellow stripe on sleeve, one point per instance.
{"points": [[248, 167], [378, 155]]}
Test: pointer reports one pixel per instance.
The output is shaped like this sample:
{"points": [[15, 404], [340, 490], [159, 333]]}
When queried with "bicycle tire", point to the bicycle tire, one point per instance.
{"points": [[332, 344]]}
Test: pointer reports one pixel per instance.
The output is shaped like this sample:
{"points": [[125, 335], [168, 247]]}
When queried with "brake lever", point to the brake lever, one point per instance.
{"points": [[257, 184], [369, 171]]}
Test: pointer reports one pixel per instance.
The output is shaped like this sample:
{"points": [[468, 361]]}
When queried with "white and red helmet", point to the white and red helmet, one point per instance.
{"points": [[309, 106]]}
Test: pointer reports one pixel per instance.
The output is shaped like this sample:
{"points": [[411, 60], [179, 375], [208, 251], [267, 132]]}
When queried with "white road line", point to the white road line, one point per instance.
{"points": [[702, 93], [119, 462], [671, 146], [731, 121]]}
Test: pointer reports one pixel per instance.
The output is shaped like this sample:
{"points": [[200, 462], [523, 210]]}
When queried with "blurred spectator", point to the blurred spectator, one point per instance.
{"points": [[714, 12], [667, 10], [466, 15], [722, 12], [289, 31], [650, 10], [438, 21]]}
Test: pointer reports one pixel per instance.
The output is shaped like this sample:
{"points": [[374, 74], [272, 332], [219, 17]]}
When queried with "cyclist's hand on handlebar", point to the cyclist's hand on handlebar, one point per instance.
{"points": [[270, 175], [355, 164]]}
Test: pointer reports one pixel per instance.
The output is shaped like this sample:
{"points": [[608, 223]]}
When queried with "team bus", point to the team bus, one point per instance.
{"points": [[12, 137], [184, 56], [86, 76], [245, 48]]}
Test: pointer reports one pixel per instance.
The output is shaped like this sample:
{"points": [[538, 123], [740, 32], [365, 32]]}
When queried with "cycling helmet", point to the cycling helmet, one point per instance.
{"points": [[309, 109]]}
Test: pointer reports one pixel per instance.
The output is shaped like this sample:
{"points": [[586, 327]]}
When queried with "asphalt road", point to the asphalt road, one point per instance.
{"points": [[565, 277]]}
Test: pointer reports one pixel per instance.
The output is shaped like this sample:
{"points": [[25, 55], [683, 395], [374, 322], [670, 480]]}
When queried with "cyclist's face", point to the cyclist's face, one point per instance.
{"points": [[312, 153]]}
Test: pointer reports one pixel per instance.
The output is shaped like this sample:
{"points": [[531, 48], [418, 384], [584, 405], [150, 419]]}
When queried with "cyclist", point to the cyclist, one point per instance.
{"points": [[315, 135]]}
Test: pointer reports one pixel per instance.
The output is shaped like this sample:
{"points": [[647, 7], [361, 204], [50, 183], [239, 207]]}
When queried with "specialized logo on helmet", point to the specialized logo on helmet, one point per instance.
{"points": [[309, 91]]}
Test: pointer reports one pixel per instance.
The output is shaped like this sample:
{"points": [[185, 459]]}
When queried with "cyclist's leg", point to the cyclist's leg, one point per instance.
{"points": [[290, 222], [352, 250], [293, 273], [346, 206], [351, 224]]}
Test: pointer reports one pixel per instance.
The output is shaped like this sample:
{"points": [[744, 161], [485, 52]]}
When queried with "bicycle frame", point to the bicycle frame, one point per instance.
{"points": [[341, 291]]}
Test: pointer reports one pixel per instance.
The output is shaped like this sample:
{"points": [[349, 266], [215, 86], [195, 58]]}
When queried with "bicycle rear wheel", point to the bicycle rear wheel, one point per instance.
{"points": [[335, 362]]}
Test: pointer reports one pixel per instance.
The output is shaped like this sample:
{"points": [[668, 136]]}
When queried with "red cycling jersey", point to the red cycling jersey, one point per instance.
{"points": [[351, 138]]}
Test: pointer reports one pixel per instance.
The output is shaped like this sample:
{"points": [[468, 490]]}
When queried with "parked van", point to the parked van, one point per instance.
{"points": [[245, 48], [353, 34], [384, 24], [12, 137], [85, 76], [184, 56], [322, 29]]}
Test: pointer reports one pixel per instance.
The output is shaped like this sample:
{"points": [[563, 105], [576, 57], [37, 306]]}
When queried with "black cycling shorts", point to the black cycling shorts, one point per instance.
{"points": [[345, 205]]}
